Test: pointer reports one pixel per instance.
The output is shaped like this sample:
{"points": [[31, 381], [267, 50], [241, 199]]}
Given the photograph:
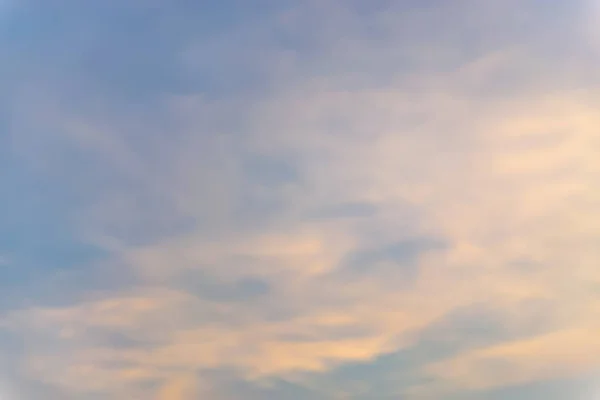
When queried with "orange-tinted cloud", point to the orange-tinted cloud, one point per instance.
{"points": [[504, 176]]}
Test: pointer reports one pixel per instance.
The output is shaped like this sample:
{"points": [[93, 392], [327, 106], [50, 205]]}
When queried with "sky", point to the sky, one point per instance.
{"points": [[299, 199]]}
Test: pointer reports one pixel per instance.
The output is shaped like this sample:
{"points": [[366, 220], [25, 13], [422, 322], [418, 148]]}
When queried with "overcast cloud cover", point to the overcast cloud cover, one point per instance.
{"points": [[299, 199]]}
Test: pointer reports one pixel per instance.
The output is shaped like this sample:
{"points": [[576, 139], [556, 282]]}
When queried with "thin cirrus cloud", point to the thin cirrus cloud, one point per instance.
{"points": [[308, 200]]}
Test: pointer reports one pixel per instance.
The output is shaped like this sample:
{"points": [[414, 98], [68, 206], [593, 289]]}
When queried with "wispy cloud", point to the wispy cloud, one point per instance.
{"points": [[325, 188]]}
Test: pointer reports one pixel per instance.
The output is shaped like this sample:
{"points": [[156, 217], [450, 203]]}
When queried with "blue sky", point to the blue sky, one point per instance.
{"points": [[299, 199]]}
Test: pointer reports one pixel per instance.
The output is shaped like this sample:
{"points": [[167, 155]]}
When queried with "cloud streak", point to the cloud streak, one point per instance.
{"points": [[329, 191]]}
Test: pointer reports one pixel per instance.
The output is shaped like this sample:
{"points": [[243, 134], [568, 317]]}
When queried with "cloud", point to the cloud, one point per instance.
{"points": [[333, 217], [567, 353], [182, 388]]}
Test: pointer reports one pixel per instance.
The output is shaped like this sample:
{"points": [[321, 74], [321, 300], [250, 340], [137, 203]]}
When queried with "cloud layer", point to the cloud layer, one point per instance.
{"points": [[312, 188]]}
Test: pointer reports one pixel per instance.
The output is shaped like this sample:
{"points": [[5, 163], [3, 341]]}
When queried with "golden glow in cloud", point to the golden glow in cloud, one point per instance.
{"points": [[512, 194], [506, 181]]}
